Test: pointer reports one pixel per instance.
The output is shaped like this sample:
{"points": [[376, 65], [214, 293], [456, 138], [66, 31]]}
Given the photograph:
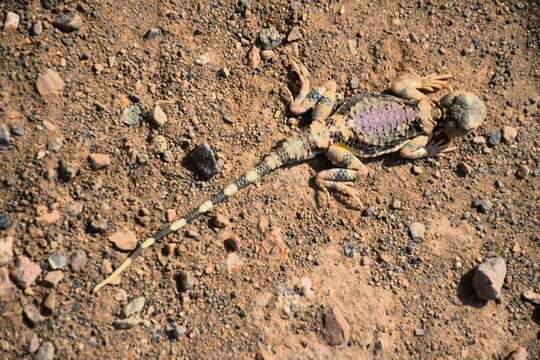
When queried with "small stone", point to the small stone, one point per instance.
{"points": [[78, 260], [11, 22], [294, 35], [33, 346], [254, 57], [494, 138], [336, 328], [49, 83], [5, 138], [98, 68], [178, 331], [219, 221], [67, 171], [351, 45], [134, 307], [489, 278], [185, 280], [50, 302], [268, 54], [37, 28], [159, 144], [270, 38], [354, 82], [45, 352], [519, 354], [67, 41], [168, 156], [53, 278], [531, 297], [99, 161], [419, 332], [98, 226], [57, 260], [131, 116], [479, 140], [306, 286], [204, 59], [509, 134], [203, 161], [170, 215], [25, 272], [523, 172], [68, 22], [417, 231], [151, 34], [6, 286], [127, 323], [396, 204], [31, 312], [6, 250], [224, 72], [365, 261], [350, 250], [47, 217], [233, 262], [483, 206], [106, 267], [463, 169], [417, 169], [158, 117], [124, 240], [143, 158]]}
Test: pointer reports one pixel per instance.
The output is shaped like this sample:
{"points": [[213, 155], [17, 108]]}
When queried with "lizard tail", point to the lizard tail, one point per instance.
{"points": [[292, 150]]}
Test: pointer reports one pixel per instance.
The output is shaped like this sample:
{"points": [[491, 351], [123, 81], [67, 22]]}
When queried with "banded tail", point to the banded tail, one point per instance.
{"points": [[293, 150]]}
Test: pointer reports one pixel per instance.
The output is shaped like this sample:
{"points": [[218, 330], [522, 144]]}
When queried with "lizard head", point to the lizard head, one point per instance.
{"points": [[463, 112]]}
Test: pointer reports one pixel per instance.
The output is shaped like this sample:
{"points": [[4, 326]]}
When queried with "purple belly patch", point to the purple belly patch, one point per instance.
{"points": [[383, 118]]}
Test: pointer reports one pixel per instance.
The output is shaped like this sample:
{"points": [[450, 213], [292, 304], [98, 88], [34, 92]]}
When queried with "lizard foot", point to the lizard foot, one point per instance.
{"points": [[436, 82], [439, 148]]}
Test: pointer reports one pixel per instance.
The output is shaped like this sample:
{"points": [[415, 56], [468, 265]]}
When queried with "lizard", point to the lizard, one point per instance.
{"points": [[404, 120]]}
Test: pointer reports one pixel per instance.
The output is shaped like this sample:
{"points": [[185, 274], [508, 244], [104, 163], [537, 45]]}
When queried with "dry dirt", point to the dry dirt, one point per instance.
{"points": [[402, 298]]}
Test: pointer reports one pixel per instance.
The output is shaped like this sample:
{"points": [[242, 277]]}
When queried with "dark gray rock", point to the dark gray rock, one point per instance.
{"points": [[68, 22], [270, 38], [202, 160], [185, 280], [494, 137], [177, 332], [489, 278], [483, 206], [5, 138], [151, 34], [5, 223], [57, 260], [350, 250]]}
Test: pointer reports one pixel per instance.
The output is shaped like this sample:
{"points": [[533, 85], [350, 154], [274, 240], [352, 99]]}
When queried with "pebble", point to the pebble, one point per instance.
{"points": [[177, 332], [479, 140], [98, 226], [49, 83], [354, 82], [170, 215], [131, 116], [168, 156], [336, 328], [233, 262], [6, 286], [25, 272], [106, 267], [306, 286], [270, 38], [127, 323], [143, 158], [68, 22], [5, 138], [67, 171], [57, 260], [396, 204], [509, 134], [531, 297], [37, 28], [224, 72], [55, 144], [53, 278], [159, 144], [203, 161], [124, 240], [151, 34], [294, 34], [417, 230], [33, 346], [489, 278], [519, 354], [45, 352], [483, 206], [463, 169], [11, 22], [45, 216], [134, 307], [99, 161], [267, 54], [523, 172], [6, 250], [204, 59], [50, 302], [254, 57], [185, 280], [218, 221], [78, 260], [417, 169], [494, 137], [158, 117], [350, 250], [31, 312]]}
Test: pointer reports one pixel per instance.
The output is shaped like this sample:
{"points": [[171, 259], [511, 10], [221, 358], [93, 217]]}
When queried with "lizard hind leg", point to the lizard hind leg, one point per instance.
{"points": [[321, 99], [339, 180]]}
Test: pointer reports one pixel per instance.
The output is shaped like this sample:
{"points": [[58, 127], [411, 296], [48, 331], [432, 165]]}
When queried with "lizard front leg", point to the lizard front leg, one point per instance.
{"points": [[340, 179], [321, 99], [410, 86], [420, 147]]}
